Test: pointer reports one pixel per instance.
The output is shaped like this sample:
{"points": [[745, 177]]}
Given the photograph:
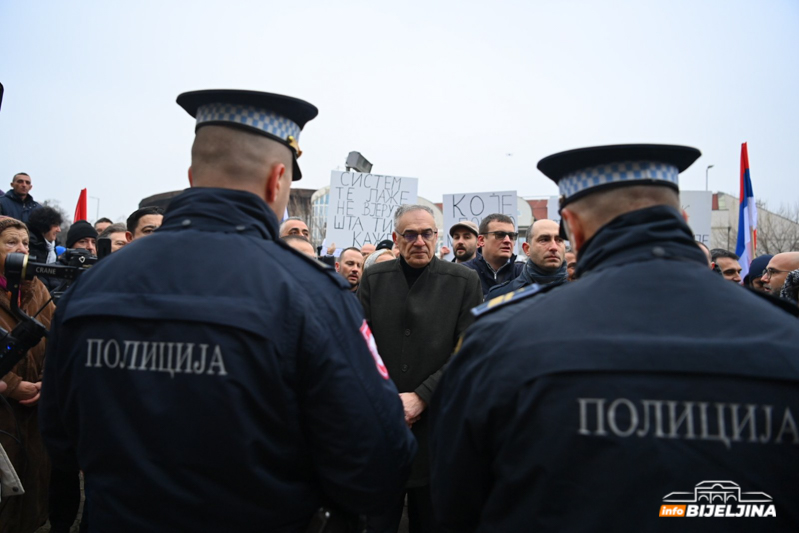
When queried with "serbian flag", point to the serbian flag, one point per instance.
{"points": [[747, 217], [81, 208]]}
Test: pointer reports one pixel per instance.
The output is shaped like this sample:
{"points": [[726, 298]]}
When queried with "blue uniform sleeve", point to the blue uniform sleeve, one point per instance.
{"points": [[355, 423]]}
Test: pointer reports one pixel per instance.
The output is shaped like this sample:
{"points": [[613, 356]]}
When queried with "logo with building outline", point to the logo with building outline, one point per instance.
{"points": [[717, 499]]}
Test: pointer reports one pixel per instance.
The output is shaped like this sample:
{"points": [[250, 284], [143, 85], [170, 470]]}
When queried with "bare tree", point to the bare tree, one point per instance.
{"points": [[777, 231]]}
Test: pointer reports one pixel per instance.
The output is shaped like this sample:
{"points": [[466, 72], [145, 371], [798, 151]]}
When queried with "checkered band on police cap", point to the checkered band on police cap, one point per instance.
{"points": [[624, 172], [251, 116]]}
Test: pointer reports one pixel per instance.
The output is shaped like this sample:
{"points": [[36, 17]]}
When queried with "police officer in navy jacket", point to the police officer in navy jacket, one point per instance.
{"points": [[650, 389], [209, 377]]}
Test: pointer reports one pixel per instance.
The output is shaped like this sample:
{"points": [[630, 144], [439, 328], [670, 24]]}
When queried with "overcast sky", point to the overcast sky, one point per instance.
{"points": [[440, 91]]}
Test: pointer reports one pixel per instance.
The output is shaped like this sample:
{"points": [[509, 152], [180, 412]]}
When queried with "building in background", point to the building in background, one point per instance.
{"points": [[777, 232]]}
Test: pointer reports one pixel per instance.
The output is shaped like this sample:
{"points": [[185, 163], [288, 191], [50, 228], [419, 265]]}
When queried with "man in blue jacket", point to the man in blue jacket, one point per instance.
{"points": [[619, 402], [495, 263], [17, 202], [209, 377]]}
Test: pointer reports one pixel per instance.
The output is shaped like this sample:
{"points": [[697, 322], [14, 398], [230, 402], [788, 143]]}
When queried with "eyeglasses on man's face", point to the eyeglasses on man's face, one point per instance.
{"points": [[412, 236], [500, 235], [771, 271]]}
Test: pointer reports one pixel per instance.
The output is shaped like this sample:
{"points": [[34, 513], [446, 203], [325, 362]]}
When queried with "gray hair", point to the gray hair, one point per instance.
{"points": [[407, 208], [372, 259], [119, 227]]}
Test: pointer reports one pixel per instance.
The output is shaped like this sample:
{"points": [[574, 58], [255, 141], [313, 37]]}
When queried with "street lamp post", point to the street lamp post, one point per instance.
{"points": [[706, 171], [98, 207]]}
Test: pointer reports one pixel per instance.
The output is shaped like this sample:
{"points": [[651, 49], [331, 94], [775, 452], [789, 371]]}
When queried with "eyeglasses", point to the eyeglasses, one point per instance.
{"points": [[500, 235], [411, 236], [771, 271]]}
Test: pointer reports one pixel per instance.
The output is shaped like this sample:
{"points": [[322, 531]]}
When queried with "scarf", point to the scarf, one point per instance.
{"points": [[51, 257], [535, 274]]}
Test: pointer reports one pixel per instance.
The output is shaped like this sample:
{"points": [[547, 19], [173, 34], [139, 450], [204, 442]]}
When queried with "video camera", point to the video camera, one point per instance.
{"points": [[29, 332]]}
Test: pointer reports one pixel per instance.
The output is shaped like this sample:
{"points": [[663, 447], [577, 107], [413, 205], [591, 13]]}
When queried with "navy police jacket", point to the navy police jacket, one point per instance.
{"points": [[649, 395], [210, 378]]}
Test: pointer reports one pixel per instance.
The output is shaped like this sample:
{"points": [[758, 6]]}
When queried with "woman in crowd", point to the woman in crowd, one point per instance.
{"points": [[19, 421], [378, 257], [44, 225]]}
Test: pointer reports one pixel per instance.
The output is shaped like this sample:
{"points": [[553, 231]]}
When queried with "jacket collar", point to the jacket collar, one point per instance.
{"points": [[479, 258], [222, 210], [431, 266], [11, 194], [653, 233]]}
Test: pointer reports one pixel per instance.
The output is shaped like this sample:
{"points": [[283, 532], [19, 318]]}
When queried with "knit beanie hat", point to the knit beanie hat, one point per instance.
{"points": [[756, 268], [8, 222], [80, 230]]}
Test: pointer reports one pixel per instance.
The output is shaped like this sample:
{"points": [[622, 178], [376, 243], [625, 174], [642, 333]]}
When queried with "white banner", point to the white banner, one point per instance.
{"points": [[475, 207], [698, 206], [362, 206]]}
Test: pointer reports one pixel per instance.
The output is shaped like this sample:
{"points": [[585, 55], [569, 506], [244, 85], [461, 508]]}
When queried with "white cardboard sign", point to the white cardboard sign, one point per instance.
{"points": [[361, 207], [475, 207]]}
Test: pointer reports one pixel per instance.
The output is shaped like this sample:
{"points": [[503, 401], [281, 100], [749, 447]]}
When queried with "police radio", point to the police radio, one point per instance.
{"points": [[29, 332]]}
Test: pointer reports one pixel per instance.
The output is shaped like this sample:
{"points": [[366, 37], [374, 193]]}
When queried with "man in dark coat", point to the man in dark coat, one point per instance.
{"points": [[417, 307], [619, 400], [495, 263], [209, 377], [546, 259], [17, 202]]}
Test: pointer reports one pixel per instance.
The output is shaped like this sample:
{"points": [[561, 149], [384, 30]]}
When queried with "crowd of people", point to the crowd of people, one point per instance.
{"points": [[269, 384], [489, 250], [41, 492]]}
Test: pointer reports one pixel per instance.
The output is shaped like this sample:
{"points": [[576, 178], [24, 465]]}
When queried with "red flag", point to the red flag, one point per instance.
{"points": [[81, 209]]}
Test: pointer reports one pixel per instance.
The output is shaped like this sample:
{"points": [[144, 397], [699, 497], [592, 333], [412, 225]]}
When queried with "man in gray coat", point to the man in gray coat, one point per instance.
{"points": [[417, 308]]}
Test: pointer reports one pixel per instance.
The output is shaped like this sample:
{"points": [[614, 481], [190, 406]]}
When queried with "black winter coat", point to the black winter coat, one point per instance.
{"points": [[416, 329]]}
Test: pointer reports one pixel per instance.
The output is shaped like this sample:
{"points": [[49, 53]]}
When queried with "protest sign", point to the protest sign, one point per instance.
{"points": [[698, 206], [553, 208], [361, 207], [475, 207]]}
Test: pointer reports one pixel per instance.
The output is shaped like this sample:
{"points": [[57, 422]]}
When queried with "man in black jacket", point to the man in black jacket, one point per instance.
{"points": [[417, 307], [619, 400]]}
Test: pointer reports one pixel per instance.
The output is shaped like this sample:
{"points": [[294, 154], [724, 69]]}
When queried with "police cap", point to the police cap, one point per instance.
{"points": [[281, 118], [585, 170]]}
